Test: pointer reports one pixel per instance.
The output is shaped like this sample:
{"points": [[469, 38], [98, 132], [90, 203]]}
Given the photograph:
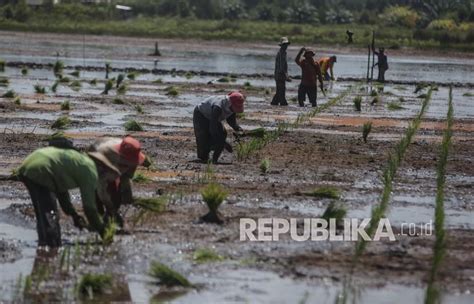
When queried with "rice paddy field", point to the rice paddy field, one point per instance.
{"points": [[401, 151]]}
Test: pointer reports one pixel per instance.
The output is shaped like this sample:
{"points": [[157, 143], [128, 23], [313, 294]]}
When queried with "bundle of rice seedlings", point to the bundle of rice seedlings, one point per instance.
{"points": [[61, 123], [154, 204], [93, 82], [24, 71], [108, 86], [109, 233], [139, 109], [168, 276], [335, 211], [140, 178], [258, 132], [366, 130], [118, 101], [213, 195], [223, 80], [172, 91], [17, 101], [133, 126], [122, 89], [54, 87], [56, 135], [75, 85], [265, 165], [189, 75], [206, 255], [120, 78], [39, 89], [4, 81], [394, 106], [9, 94], [247, 84], [64, 79], [357, 103], [132, 75], [468, 94], [58, 67], [75, 73], [65, 105], [325, 192], [91, 284]]}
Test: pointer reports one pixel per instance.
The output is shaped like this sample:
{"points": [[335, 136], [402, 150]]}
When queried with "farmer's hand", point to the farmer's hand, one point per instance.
{"points": [[79, 222]]}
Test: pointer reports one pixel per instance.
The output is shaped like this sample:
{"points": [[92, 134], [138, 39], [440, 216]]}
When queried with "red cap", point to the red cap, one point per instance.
{"points": [[130, 150], [236, 101]]}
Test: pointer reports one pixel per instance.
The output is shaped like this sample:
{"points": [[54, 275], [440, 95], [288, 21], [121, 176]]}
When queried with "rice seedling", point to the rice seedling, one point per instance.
{"points": [[17, 101], [258, 132], [56, 135], [132, 75], [439, 248], [158, 81], [334, 211], [58, 68], [75, 85], [54, 87], [140, 178], [375, 100], [265, 165], [24, 71], [374, 93], [93, 82], [133, 126], [172, 91], [64, 79], [154, 204], [4, 81], [109, 233], [206, 255], [2, 66], [268, 91], [401, 99], [168, 276], [213, 195], [108, 69], [94, 284], [118, 101], [65, 105], [394, 106], [122, 89], [189, 75], [357, 103], [468, 94], [422, 96], [223, 80], [9, 94], [247, 84], [120, 79], [39, 89], [325, 192], [395, 158], [366, 129], [75, 73], [108, 86], [28, 285], [61, 123], [139, 109]]}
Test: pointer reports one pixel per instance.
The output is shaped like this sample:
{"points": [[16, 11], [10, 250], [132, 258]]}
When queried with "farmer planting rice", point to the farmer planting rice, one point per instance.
{"points": [[310, 71], [208, 128], [327, 65], [125, 154], [49, 173]]}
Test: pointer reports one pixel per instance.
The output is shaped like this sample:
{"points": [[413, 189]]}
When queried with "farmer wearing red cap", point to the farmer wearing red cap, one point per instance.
{"points": [[126, 155], [48, 174], [207, 120], [310, 71]]}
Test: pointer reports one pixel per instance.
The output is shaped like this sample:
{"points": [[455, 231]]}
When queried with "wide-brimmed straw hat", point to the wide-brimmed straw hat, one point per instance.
{"points": [[284, 40], [104, 160]]}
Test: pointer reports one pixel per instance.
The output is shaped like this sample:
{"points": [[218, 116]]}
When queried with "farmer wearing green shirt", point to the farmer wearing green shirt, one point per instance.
{"points": [[48, 174]]}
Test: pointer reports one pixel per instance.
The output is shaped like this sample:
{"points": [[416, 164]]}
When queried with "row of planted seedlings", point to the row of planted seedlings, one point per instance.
{"points": [[439, 249]]}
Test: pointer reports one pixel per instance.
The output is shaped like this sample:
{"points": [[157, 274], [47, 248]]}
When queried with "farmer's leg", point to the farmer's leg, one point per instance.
{"points": [[277, 92], [301, 95], [218, 147], [47, 216], [312, 95], [282, 100], [201, 131]]}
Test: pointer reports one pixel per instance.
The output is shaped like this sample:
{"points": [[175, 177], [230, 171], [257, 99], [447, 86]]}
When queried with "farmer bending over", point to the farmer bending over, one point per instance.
{"points": [[125, 154], [207, 120], [48, 174], [327, 65], [310, 70]]}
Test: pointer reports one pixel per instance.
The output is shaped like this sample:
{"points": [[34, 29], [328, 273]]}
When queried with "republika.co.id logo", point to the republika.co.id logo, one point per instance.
{"points": [[318, 229]]}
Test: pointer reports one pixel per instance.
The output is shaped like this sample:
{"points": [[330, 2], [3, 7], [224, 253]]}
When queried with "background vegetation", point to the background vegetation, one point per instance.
{"points": [[443, 23]]}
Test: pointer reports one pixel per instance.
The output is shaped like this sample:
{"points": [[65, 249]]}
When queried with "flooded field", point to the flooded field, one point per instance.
{"points": [[324, 149]]}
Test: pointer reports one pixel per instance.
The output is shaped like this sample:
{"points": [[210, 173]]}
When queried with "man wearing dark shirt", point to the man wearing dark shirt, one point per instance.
{"points": [[382, 63], [310, 70], [281, 74]]}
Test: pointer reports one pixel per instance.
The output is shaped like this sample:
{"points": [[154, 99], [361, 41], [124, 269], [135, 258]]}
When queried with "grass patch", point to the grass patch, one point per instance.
{"points": [[92, 284], [394, 106], [139, 109], [65, 105], [325, 192], [39, 89], [172, 91], [357, 103], [206, 255], [108, 86], [133, 126], [61, 123], [9, 94], [140, 178], [265, 165], [168, 276], [366, 129], [154, 204]]}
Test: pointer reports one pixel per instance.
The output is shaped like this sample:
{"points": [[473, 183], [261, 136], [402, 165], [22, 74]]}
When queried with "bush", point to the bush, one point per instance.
{"points": [[401, 16], [442, 25]]}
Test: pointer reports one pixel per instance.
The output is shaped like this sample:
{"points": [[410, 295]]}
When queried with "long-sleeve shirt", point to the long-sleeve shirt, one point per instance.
{"points": [[310, 71], [281, 65], [60, 170], [382, 61]]}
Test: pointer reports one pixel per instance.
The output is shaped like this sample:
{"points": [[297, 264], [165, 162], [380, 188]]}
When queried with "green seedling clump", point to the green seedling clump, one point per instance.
{"points": [[139, 109], [132, 75], [75, 73], [325, 192], [357, 103], [9, 94], [64, 79], [65, 105], [2, 66], [422, 96], [54, 87], [158, 81], [140, 178], [91, 284], [24, 71], [118, 101], [375, 100], [154, 204], [17, 101], [61, 123], [4, 81], [259, 132], [172, 91], [108, 68], [58, 68], [366, 128], [247, 84], [401, 99], [394, 106], [133, 126], [108, 86], [265, 165], [213, 195], [75, 85], [122, 89], [223, 80], [189, 75], [120, 78], [206, 255], [335, 211], [468, 94], [109, 233], [39, 89], [93, 82], [374, 93], [168, 276]]}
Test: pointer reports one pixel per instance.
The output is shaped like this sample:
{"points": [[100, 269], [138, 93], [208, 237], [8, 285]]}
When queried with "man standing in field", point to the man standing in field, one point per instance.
{"points": [[281, 74], [382, 63], [310, 71], [327, 65]]}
